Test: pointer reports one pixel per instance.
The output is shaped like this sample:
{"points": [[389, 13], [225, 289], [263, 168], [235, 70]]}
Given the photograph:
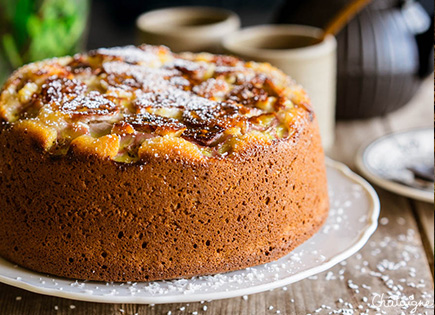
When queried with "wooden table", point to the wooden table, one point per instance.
{"points": [[398, 258]]}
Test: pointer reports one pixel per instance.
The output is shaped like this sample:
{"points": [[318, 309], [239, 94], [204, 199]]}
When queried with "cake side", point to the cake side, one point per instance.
{"points": [[95, 219]]}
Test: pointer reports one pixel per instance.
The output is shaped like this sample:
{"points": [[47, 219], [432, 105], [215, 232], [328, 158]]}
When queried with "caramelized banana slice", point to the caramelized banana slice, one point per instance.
{"points": [[244, 142], [168, 146], [44, 135], [105, 147]]}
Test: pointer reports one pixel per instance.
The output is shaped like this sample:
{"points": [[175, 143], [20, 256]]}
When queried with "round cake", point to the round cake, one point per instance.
{"points": [[139, 164]]}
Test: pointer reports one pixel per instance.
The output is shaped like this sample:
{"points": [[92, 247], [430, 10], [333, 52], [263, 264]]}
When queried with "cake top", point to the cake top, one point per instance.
{"points": [[129, 103]]}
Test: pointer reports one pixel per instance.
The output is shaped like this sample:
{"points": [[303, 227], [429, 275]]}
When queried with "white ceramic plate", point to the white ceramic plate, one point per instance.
{"points": [[352, 220], [386, 162]]}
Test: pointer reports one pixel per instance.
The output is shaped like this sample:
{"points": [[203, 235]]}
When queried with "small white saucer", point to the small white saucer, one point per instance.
{"points": [[389, 162]]}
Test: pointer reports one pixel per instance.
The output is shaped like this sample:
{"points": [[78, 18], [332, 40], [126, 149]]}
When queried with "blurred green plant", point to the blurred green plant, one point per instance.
{"points": [[32, 30]]}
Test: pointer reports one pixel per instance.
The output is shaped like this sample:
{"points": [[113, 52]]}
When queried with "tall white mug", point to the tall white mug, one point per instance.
{"points": [[299, 52], [193, 29]]}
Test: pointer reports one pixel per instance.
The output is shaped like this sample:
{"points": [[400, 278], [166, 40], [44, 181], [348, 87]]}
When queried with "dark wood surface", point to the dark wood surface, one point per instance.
{"points": [[397, 259]]}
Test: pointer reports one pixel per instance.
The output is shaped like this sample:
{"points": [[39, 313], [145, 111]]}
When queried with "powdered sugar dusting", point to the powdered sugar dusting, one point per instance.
{"points": [[402, 293], [150, 79], [130, 54]]}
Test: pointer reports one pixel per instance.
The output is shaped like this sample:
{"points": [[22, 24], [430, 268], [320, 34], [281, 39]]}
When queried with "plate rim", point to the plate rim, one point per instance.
{"points": [[365, 234], [397, 188]]}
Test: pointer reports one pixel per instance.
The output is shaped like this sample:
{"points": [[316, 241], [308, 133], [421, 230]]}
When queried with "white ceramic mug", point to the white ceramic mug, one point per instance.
{"points": [[187, 28], [297, 50]]}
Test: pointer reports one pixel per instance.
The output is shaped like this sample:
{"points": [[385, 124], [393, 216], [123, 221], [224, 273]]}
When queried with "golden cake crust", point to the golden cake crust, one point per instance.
{"points": [[111, 102], [173, 212]]}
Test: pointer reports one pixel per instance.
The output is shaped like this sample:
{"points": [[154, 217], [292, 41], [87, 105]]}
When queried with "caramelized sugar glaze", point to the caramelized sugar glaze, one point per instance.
{"points": [[127, 96]]}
